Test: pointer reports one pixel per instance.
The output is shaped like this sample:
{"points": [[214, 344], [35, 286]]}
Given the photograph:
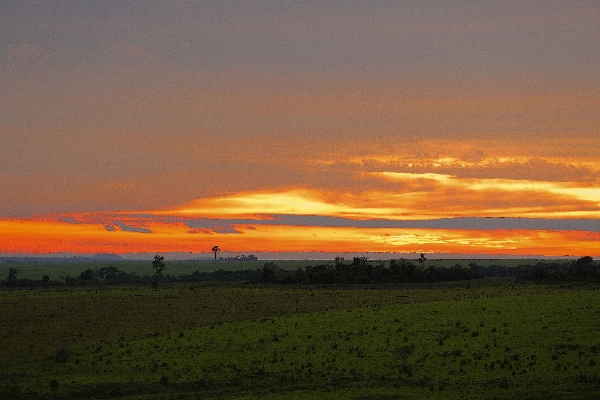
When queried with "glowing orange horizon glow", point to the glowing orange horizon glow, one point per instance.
{"points": [[43, 237]]}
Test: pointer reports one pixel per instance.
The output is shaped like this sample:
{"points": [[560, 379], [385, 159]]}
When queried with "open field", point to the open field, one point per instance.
{"points": [[478, 340], [59, 270]]}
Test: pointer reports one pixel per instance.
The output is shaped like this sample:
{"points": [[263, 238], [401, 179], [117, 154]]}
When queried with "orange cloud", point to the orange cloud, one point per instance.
{"points": [[581, 201]]}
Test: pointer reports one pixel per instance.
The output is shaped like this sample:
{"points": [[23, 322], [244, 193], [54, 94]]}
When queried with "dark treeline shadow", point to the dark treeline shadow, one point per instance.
{"points": [[358, 271]]}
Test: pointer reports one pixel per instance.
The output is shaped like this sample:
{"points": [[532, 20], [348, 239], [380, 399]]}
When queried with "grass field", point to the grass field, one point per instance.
{"points": [[486, 339]]}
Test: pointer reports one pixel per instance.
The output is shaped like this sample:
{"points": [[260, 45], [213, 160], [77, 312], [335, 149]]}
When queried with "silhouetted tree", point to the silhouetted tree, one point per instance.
{"points": [[11, 279], [159, 267], [12, 274], [269, 273], [87, 275], [587, 260], [584, 268], [108, 273], [215, 250]]}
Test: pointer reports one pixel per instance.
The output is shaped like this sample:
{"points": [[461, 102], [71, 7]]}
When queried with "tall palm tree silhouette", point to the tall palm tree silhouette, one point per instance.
{"points": [[215, 250]]}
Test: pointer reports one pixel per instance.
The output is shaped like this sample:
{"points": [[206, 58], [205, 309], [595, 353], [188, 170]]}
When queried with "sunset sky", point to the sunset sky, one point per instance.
{"points": [[454, 127]]}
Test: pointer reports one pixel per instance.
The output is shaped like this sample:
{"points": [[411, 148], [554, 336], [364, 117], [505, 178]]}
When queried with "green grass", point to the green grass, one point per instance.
{"points": [[414, 342]]}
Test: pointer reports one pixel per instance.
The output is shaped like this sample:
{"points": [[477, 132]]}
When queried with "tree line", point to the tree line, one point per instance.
{"points": [[358, 271], [583, 269], [361, 271]]}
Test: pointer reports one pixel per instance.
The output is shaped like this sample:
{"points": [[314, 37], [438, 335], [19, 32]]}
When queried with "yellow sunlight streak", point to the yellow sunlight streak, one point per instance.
{"points": [[569, 189], [294, 202]]}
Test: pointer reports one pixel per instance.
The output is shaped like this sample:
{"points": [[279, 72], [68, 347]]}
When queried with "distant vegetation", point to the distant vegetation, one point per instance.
{"points": [[339, 272], [361, 271]]}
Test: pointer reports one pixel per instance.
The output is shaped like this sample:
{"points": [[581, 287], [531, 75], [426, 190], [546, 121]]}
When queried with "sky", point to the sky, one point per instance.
{"points": [[463, 127]]}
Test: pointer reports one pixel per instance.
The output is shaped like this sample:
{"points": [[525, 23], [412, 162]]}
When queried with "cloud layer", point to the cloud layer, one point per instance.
{"points": [[396, 126]]}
